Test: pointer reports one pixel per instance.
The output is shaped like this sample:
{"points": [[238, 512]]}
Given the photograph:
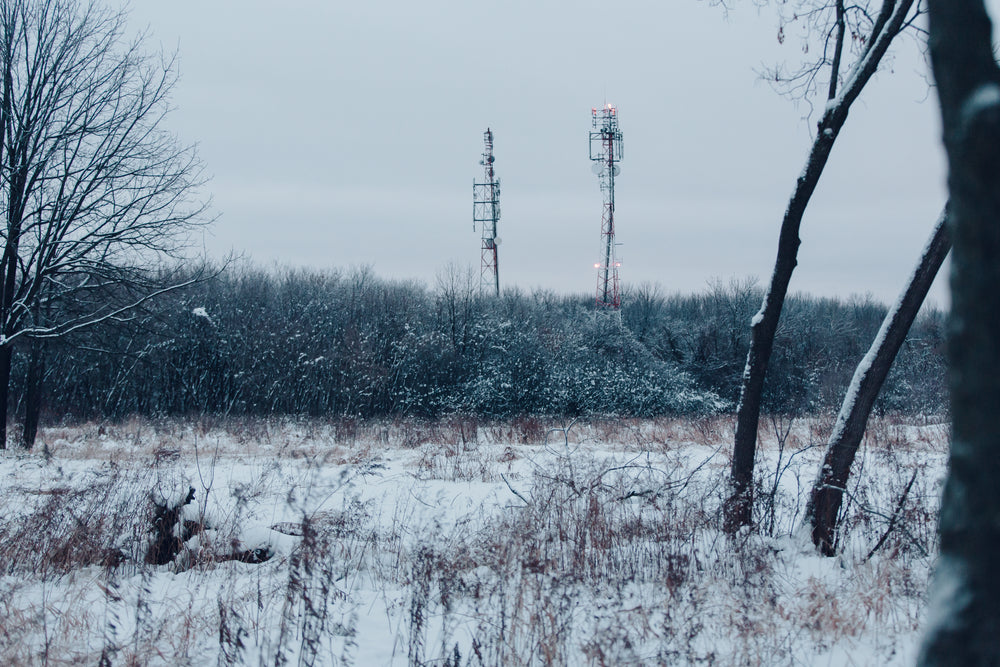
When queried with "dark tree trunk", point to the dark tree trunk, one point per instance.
{"points": [[964, 625], [739, 505], [765, 325], [33, 394], [828, 490], [6, 353]]}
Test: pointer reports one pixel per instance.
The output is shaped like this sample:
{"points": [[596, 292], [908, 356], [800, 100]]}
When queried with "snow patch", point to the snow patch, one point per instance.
{"points": [[982, 98], [261, 537], [949, 596], [452, 504], [202, 313], [986, 95]]}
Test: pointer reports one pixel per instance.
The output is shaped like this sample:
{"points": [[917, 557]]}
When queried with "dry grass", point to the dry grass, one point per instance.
{"points": [[606, 549]]}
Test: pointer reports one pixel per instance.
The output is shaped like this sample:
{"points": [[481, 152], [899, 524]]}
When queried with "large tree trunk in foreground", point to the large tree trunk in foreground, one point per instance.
{"points": [[964, 619], [828, 490], [739, 505]]}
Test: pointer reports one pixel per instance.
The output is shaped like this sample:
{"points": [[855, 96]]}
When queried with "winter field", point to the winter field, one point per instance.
{"points": [[526, 542]]}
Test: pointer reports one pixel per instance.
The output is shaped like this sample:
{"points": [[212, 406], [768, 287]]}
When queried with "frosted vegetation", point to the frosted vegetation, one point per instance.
{"points": [[456, 543], [349, 344], [331, 468]]}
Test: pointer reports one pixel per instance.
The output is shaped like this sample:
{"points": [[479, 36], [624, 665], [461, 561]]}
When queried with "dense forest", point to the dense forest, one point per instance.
{"points": [[352, 344]]}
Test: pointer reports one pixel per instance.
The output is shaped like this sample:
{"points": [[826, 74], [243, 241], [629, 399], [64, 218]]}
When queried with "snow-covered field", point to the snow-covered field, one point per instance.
{"points": [[456, 543]]}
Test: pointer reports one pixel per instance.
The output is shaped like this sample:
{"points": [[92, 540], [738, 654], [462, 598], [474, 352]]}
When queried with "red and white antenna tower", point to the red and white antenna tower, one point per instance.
{"points": [[486, 210], [606, 153]]}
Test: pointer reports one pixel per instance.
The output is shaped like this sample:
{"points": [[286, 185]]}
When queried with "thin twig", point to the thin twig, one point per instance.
{"points": [[894, 518], [523, 499]]}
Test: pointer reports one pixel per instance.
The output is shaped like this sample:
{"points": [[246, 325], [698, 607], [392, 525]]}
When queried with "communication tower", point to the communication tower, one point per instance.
{"points": [[486, 210], [606, 153]]}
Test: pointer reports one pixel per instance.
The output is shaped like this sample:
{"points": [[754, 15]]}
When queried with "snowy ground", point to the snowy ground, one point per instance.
{"points": [[457, 544]]}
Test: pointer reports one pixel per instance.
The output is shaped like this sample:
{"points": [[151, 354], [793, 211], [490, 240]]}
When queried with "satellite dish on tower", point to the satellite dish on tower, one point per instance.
{"points": [[597, 168], [617, 170]]}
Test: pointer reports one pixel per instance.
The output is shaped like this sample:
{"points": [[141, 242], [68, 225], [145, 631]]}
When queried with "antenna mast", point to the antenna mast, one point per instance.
{"points": [[606, 153], [486, 210]]}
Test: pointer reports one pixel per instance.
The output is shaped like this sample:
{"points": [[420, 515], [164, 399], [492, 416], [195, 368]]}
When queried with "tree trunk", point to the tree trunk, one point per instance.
{"points": [[6, 353], [964, 618], [33, 394], [739, 505], [828, 490], [97, 192]]}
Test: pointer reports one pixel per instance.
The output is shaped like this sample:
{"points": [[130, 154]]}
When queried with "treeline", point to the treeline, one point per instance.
{"points": [[351, 344]]}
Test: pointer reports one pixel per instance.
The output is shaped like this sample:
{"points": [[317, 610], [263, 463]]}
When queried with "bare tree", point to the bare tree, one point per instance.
{"points": [[458, 298], [965, 595], [845, 438], [643, 305], [94, 192], [893, 17]]}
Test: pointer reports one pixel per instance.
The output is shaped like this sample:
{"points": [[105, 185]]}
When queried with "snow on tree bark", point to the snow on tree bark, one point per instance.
{"points": [[964, 620], [893, 17], [845, 438]]}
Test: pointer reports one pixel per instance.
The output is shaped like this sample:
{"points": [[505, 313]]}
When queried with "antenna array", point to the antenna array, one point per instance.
{"points": [[486, 212], [606, 153]]}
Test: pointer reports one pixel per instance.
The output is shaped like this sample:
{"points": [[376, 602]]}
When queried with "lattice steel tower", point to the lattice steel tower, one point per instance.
{"points": [[486, 210], [606, 153]]}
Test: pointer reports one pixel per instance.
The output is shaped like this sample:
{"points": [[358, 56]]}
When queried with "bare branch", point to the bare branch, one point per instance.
{"points": [[94, 192]]}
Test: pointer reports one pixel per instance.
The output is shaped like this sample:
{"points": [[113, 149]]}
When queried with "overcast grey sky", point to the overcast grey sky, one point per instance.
{"points": [[341, 134]]}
